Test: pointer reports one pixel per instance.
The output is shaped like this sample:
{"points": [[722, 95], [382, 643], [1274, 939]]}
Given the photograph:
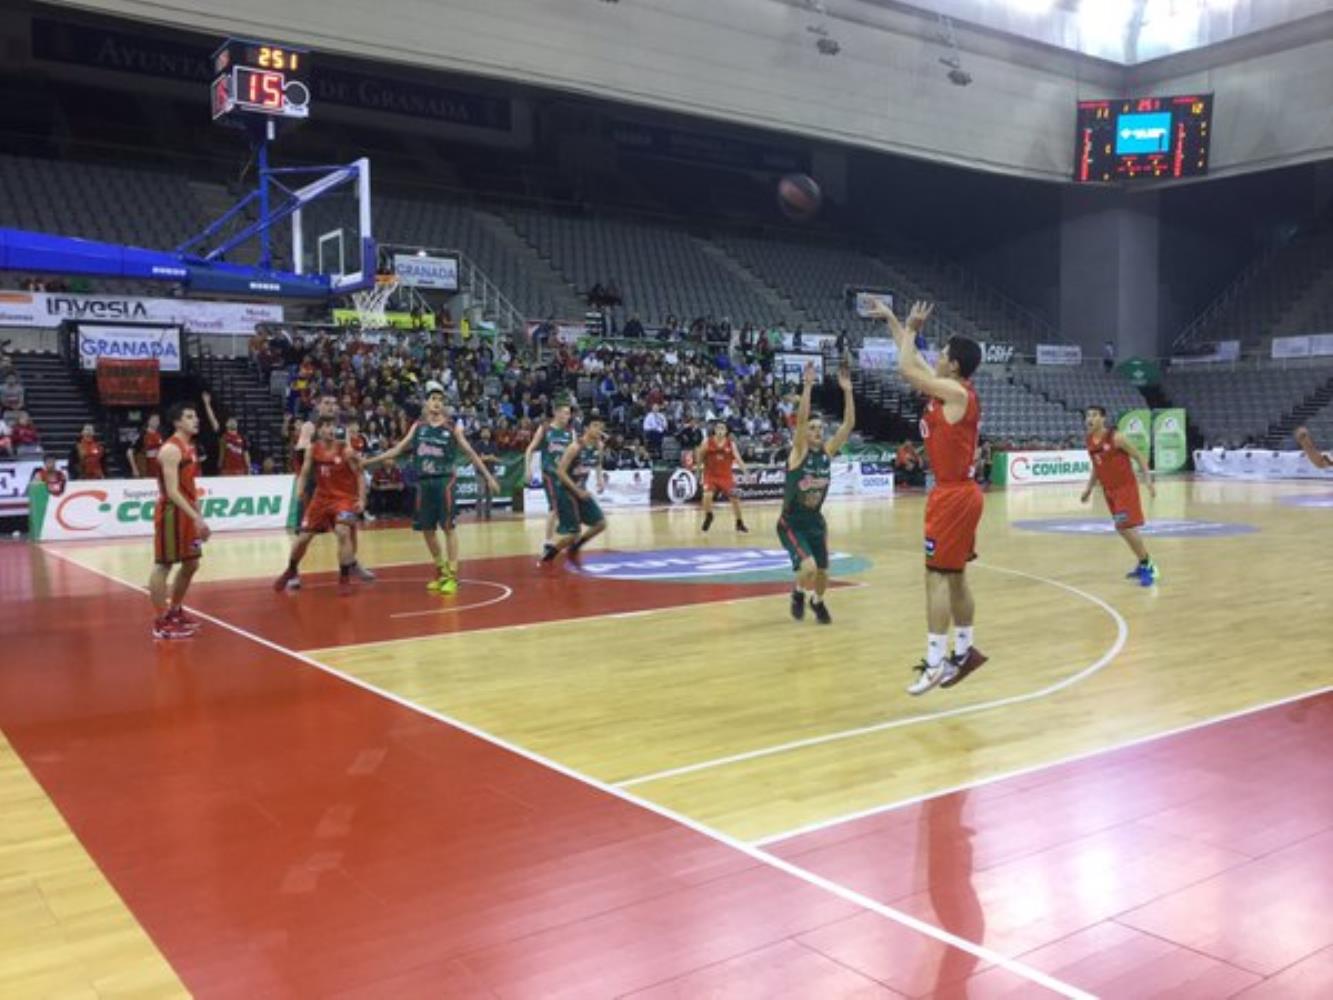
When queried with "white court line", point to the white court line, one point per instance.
{"points": [[978, 951], [1122, 635], [1240, 713], [508, 593]]}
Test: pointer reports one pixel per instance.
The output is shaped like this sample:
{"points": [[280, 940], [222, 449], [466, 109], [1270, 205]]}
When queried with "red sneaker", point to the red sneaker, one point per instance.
{"points": [[184, 619], [165, 628], [967, 665], [284, 581]]}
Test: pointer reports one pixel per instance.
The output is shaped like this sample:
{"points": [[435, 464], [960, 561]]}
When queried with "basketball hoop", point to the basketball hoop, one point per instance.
{"points": [[369, 304]]}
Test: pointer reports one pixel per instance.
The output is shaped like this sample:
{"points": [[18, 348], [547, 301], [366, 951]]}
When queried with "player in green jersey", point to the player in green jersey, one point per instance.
{"points": [[801, 527], [574, 504], [435, 443], [552, 437]]}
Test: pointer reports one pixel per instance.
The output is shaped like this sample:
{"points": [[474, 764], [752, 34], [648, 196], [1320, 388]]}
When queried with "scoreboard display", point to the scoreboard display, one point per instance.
{"points": [[1143, 138], [256, 80]]}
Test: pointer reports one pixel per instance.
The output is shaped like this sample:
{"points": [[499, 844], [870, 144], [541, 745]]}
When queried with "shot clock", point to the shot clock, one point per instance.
{"points": [[260, 80], [1143, 138]]}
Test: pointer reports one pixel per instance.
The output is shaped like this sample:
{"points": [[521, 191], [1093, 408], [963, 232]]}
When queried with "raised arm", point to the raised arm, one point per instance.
{"points": [[393, 452], [839, 439], [1317, 458], [207, 397], [912, 366], [799, 445]]}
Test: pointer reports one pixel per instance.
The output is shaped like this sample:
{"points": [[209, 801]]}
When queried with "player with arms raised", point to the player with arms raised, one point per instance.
{"points": [[179, 529], [949, 425], [435, 443], [338, 499], [801, 527], [717, 455], [1111, 454]]}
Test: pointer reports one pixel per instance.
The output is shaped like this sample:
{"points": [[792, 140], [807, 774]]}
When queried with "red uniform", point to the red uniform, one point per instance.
{"points": [[54, 480], [233, 455], [954, 506], [718, 459], [337, 488], [91, 454], [1115, 472], [152, 444], [175, 535]]}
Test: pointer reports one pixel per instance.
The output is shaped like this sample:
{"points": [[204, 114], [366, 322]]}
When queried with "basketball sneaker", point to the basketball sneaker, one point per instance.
{"points": [[821, 612], [363, 574], [165, 628], [708, 522], [184, 619], [740, 526], [436, 586], [931, 677], [549, 552], [449, 585], [287, 581], [797, 605], [964, 665]]}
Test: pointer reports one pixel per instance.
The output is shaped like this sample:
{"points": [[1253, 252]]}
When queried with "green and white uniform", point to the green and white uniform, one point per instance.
{"points": [[801, 528], [571, 509], [554, 442], [434, 455]]}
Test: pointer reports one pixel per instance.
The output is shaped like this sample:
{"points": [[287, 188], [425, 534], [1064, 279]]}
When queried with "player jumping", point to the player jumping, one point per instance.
{"points": [[801, 527], [1317, 458], [717, 456], [179, 529], [574, 503], [435, 443], [1111, 454], [949, 426], [338, 499]]}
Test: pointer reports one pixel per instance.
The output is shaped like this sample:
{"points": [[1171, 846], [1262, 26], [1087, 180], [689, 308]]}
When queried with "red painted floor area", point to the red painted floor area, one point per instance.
{"points": [[398, 606], [281, 833], [1200, 865]]}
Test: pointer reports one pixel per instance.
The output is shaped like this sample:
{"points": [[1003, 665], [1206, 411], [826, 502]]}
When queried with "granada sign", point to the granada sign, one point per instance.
{"points": [[1025, 468], [123, 508]]}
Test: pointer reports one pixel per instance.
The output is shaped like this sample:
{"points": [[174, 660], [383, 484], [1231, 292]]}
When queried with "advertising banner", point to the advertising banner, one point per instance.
{"points": [[997, 354], [128, 383], [791, 367], [98, 342], [878, 354], [123, 508], [622, 488], [865, 302], [1218, 353], [1312, 346], [508, 471], [1140, 372], [47, 310], [397, 320], [1136, 426], [1257, 464], [417, 271], [1169, 449], [768, 482], [1028, 468], [1059, 354]]}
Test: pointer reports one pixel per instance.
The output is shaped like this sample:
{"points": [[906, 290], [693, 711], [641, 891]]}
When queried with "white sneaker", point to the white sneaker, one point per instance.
{"points": [[363, 574], [294, 583], [932, 677]]}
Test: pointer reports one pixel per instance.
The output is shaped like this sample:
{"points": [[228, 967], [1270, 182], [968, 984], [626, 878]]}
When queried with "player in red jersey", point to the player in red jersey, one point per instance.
{"points": [[1317, 458], [179, 529], [235, 458], [949, 426], [91, 454], [1111, 454], [147, 447], [717, 456], [52, 478], [338, 499]]}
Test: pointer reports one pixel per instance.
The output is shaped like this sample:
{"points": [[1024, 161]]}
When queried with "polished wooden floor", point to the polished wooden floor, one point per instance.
{"points": [[698, 696]]}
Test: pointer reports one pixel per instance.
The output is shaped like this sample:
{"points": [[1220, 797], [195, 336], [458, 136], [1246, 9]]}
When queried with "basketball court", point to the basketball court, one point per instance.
{"points": [[641, 776]]}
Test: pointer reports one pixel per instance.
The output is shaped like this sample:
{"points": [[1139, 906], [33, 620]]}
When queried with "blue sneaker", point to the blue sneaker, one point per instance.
{"points": [[1148, 575]]}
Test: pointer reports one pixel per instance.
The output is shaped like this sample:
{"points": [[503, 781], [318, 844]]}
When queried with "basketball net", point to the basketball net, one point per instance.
{"points": [[370, 304]]}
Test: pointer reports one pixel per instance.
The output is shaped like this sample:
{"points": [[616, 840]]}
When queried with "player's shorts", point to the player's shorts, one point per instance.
{"points": [[175, 535], [953, 512], [326, 513], [435, 504], [804, 538], [723, 486], [574, 512], [1126, 507]]}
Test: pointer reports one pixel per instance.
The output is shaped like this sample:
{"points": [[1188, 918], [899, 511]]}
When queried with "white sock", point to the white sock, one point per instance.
{"points": [[811, 596], [815, 598], [962, 640], [935, 647]]}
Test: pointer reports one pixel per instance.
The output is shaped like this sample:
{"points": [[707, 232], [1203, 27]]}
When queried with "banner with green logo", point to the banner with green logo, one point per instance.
{"points": [[1024, 468], [1170, 450], [1136, 428], [1140, 371], [508, 472]]}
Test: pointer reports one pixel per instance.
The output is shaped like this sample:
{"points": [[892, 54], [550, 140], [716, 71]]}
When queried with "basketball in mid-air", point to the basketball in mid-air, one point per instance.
{"points": [[799, 197]]}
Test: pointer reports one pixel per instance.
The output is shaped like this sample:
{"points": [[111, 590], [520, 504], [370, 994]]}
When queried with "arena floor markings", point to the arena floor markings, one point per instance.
{"points": [[556, 781]]}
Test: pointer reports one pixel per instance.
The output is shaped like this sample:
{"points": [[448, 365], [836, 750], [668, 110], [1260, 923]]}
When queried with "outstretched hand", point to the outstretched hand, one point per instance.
{"points": [[921, 312]]}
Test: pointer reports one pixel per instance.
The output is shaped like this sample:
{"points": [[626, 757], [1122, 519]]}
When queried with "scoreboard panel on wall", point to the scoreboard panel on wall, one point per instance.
{"points": [[1143, 138]]}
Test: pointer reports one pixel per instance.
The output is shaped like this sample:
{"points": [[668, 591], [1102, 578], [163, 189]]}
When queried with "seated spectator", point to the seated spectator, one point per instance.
{"points": [[12, 395], [388, 490], [91, 454], [6, 439], [268, 467], [27, 439], [634, 327], [50, 476]]}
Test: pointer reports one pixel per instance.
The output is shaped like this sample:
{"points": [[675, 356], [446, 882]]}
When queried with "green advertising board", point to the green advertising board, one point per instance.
{"points": [[1170, 450], [1136, 427], [508, 471], [1140, 371]]}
